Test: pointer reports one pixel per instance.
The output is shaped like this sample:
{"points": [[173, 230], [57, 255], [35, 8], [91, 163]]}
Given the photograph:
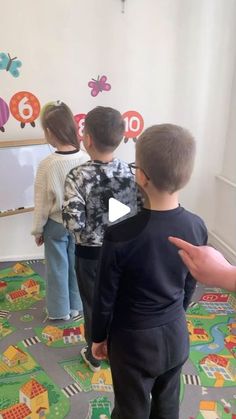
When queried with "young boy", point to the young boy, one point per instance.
{"points": [[88, 189], [138, 303]]}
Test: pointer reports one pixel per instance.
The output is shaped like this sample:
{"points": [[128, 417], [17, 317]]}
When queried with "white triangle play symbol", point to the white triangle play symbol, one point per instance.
{"points": [[116, 210]]}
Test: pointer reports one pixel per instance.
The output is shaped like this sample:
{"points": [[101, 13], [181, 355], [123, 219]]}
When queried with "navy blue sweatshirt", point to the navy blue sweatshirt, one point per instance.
{"points": [[141, 278]]}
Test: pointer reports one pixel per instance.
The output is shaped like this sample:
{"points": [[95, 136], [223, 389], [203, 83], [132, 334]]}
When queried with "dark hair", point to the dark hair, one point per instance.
{"points": [[166, 153], [106, 127], [58, 118]]}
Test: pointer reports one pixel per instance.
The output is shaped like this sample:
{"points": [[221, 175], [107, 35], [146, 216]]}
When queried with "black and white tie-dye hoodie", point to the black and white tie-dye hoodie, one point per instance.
{"points": [[88, 188]]}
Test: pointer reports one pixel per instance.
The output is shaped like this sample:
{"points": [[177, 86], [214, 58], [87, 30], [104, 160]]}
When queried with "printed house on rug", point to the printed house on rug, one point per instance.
{"points": [[20, 268], [102, 380], [33, 403], [14, 356], [31, 287], [52, 333], [28, 289], [215, 303], [197, 334], [35, 396], [18, 411], [73, 334], [17, 295], [219, 368], [210, 409]]}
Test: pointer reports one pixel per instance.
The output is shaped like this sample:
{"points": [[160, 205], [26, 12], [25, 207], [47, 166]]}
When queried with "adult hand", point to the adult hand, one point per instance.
{"points": [[206, 264], [99, 350]]}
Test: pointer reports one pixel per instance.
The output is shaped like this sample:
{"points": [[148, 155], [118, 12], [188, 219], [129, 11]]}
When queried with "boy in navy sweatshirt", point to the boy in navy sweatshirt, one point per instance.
{"points": [[138, 314]]}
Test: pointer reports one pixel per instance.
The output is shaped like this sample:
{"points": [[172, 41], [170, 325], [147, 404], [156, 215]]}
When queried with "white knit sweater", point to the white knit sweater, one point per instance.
{"points": [[49, 187]]}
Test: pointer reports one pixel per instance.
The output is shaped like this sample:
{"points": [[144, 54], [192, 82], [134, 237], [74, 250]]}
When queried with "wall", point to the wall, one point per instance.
{"points": [[171, 60], [223, 233]]}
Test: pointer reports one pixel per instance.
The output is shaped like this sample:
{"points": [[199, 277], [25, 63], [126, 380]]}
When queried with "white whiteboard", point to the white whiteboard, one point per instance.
{"points": [[18, 166]]}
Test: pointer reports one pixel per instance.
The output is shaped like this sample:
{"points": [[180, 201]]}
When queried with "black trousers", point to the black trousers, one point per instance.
{"points": [[86, 271], [146, 367]]}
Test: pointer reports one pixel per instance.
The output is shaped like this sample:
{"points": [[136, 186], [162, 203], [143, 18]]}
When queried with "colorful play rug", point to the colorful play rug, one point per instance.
{"points": [[42, 374]]}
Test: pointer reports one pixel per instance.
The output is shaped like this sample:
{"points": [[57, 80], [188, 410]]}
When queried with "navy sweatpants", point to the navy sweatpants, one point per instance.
{"points": [[146, 367]]}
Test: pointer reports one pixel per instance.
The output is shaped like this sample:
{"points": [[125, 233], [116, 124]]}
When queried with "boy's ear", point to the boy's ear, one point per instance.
{"points": [[88, 139], [141, 178]]}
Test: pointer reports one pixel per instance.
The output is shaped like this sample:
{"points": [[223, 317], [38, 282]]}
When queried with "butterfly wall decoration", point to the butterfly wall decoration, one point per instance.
{"points": [[99, 85], [10, 64]]}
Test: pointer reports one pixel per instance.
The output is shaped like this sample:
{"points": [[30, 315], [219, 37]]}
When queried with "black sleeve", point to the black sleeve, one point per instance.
{"points": [[109, 274]]}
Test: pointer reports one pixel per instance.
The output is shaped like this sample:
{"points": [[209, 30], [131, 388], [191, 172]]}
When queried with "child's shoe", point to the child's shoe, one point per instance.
{"points": [[65, 318], [93, 363], [74, 313]]}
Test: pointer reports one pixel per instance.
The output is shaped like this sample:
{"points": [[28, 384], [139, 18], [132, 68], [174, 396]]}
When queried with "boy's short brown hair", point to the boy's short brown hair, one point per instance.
{"points": [[106, 127], [166, 154]]}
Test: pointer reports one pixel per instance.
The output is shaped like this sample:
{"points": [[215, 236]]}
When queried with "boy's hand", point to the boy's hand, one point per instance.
{"points": [[39, 240], [99, 350]]}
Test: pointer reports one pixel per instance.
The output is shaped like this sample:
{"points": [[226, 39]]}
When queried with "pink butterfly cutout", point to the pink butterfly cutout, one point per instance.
{"points": [[99, 85]]}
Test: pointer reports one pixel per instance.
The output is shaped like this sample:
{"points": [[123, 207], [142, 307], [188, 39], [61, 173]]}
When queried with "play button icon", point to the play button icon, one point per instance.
{"points": [[116, 210]]}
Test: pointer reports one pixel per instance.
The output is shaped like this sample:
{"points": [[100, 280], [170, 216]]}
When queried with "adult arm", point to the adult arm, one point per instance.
{"points": [[207, 265]]}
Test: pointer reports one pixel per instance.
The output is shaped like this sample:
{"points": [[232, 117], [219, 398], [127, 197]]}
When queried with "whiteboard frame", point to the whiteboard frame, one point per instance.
{"points": [[20, 143], [16, 211]]}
